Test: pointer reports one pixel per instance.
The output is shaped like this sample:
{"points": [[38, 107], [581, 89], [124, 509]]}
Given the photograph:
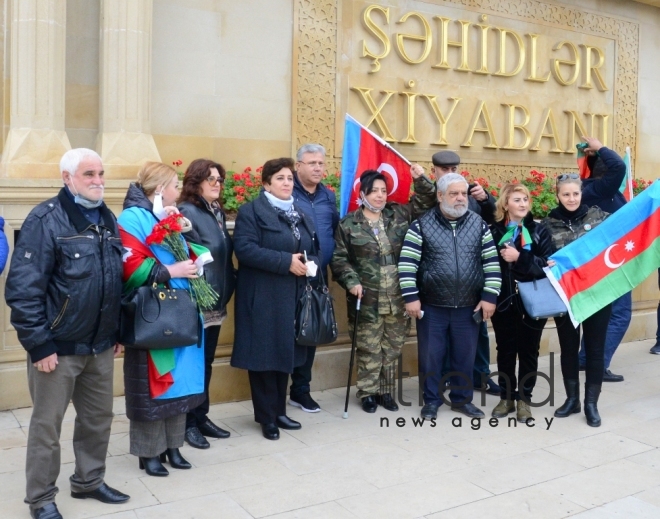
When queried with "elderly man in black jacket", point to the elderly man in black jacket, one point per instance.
{"points": [[64, 290], [319, 203], [480, 202]]}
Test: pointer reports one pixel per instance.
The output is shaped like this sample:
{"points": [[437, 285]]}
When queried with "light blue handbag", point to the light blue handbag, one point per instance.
{"points": [[540, 299]]}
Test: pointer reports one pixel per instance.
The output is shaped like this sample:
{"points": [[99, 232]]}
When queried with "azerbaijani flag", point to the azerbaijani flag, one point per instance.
{"points": [[583, 167], [364, 150], [626, 186], [611, 259]]}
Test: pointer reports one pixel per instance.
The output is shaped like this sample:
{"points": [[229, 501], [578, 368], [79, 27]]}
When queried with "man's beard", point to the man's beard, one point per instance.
{"points": [[451, 211]]}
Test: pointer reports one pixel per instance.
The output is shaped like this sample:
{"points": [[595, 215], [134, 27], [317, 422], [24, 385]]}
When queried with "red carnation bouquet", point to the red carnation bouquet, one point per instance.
{"points": [[167, 234]]}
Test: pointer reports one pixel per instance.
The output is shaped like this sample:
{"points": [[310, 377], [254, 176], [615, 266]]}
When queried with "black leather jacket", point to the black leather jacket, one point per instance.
{"points": [[530, 263], [65, 281], [220, 272]]}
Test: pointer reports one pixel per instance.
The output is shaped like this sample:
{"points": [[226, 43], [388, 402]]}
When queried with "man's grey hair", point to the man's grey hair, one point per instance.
{"points": [[72, 159], [445, 181], [309, 148]]}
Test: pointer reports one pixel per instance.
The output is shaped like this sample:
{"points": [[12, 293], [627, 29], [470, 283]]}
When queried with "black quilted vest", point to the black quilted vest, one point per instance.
{"points": [[450, 272]]}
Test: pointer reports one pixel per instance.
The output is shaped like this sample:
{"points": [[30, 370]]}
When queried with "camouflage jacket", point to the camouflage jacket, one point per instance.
{"points": [[565, 230], [356, 259]]}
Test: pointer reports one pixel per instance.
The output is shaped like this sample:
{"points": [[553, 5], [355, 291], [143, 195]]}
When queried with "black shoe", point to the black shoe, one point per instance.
{"points": [[195, 439], [446, 386], [270, 431], [470, 410], [572, 403], [369, 404], [608, 376], [208, 428], [153, 467], [429, 411], [387, 402], [176, 460], [104, 493], [591, 393], [490, 387], [305, 402], [656, 349], [49, 511], [284, 422]]}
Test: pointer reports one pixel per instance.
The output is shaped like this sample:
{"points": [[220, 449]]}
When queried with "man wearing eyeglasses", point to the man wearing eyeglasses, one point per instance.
{"points": [[480, 202], [318, 202]]}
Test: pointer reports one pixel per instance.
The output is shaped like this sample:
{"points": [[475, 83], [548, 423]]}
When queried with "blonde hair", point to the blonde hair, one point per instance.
{"points": [[505, 193], [154, 174]]}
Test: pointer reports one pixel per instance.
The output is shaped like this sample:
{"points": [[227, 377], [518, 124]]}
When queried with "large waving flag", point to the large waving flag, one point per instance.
{"points": [[610, 260], [627, 186], [364, 150]]}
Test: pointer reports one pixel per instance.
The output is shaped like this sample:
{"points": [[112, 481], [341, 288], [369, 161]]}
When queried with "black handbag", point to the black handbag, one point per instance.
{"points": [[154, 318], [315, 315], [540, 299]]}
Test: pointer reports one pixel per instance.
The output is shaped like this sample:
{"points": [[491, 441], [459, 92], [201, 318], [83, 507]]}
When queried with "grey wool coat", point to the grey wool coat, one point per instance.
{"points": [[266, 292]]}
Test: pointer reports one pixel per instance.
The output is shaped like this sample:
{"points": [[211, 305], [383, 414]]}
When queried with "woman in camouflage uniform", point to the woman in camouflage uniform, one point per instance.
{"points": [[368, 244], [567, 222]]}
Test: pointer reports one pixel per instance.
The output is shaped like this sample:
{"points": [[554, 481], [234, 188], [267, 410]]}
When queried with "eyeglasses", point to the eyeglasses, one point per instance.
{"points": [[215, 180], [313, 164], [567, 176]]}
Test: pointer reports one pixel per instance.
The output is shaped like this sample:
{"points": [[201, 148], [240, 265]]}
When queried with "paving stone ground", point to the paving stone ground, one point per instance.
{"points": [[360, 468]]}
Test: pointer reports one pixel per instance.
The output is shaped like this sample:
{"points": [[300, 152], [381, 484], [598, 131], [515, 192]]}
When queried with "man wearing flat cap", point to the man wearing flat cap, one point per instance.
{"points": [[480, 202]]}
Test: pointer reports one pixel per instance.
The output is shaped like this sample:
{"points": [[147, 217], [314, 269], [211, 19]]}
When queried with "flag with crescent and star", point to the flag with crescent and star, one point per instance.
{"points": [[611, 259], [364, 150]]}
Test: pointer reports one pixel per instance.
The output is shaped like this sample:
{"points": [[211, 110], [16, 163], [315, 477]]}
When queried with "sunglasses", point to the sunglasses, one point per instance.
{"points": [[215, 180], [567, 176]]}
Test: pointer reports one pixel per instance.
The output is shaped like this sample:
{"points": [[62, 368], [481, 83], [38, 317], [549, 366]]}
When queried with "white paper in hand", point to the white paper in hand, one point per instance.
{"points": [[312, 267]]}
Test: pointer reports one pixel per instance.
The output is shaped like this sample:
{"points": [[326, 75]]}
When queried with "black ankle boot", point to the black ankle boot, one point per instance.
{"points": [[176, 460], [153, 467], [591, 393], [572, 404]]}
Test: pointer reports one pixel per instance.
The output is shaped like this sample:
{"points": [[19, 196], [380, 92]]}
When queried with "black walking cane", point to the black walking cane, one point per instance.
{"points": [[350, 365]]}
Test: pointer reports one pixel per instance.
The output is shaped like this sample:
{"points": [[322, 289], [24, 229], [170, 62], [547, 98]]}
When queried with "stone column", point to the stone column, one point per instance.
{"points": [[36, 139], [124, 140]]}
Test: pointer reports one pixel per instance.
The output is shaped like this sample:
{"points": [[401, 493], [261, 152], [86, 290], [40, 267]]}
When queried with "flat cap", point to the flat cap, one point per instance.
{"points": [[446, 158]]}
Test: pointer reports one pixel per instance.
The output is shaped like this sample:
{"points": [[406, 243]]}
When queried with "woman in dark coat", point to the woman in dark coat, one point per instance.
{"points": [[270, 238], [160, 386], [524, 247], [567, 222], [199, 202]]}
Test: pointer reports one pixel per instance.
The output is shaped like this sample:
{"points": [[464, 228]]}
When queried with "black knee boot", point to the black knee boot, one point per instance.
{"points": [[591, 393], [572, 404]]}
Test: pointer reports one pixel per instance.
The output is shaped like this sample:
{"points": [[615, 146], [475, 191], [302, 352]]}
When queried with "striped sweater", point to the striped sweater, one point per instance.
{"points": [[411, 255]]}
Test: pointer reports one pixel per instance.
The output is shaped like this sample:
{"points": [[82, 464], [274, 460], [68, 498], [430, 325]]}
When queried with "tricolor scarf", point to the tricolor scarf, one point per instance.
{"points": [[173, 372], [515, 229]]}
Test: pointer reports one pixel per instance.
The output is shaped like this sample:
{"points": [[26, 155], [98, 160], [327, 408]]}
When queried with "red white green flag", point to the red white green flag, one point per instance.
{"points": [[611, 259], [627, 185]]}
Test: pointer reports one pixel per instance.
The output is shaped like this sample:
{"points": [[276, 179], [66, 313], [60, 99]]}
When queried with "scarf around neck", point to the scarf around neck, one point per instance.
{"points": [[287, 211], [515, 229]]}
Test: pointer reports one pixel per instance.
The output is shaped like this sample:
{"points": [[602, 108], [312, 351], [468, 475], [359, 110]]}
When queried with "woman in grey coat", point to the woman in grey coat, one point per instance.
{"points": [[270, 239]]}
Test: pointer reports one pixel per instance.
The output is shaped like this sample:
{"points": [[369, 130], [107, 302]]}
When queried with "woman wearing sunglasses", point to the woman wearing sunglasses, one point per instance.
{"points": [[568, 222], [200, 202]]}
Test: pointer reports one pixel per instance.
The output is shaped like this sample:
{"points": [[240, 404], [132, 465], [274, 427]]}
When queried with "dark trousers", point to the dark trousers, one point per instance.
{"points": [[518, 338], [595, 331], [197, 416], [616, 328], [481, 358], [268, 394], [441, 332], [302, 375]]}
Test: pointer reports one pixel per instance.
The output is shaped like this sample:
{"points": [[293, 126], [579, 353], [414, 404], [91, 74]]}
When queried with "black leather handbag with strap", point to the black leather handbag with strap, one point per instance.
{"points": [[155, 318], [315, 315]]}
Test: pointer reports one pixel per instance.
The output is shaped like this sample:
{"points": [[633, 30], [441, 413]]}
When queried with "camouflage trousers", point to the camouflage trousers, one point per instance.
{"points": [[379, 345]]}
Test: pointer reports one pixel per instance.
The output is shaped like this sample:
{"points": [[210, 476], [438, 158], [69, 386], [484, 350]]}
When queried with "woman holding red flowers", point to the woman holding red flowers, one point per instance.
{"points": [[161, 386]]}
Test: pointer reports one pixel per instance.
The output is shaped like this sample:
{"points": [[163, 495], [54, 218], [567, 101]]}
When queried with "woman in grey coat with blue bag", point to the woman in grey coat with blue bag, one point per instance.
{"points": [[270, 239]]}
